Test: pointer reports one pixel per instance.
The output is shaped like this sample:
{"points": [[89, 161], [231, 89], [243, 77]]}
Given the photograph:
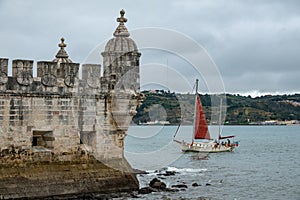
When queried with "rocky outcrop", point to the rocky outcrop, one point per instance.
{"points": [[156, 185]]}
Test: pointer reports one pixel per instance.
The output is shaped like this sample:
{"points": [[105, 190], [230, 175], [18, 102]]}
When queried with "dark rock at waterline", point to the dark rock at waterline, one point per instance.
{"points": [[207, 184], [195, 185], [146, 190], [167, 173], [159, 185], [170, 173], [180, 186], [156, 183], [153, 181], [172, 190]]}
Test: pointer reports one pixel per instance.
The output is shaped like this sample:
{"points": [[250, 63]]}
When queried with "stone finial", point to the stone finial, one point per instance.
{"points": [[121, 30], [62, 44], [62, 53], [122, 19]]}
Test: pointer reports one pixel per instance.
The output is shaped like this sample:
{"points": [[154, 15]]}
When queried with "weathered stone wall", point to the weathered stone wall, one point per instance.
{"points": [[23, 116], [38, 175], [34, 108]]}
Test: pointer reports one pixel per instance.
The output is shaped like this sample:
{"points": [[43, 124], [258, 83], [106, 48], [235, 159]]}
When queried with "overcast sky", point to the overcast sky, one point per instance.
{"points": [[255, 44]]}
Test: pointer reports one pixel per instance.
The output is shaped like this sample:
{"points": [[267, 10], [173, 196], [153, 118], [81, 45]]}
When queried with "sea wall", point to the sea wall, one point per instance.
{"points": [[26, 174]]}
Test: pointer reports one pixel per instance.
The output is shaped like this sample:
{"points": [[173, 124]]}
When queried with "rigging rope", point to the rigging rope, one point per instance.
{"points": [[182, 117], [177, 128]]}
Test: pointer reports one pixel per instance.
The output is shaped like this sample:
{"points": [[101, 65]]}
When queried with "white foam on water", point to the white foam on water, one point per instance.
{"points": [[151, 172], [186, 170], [179, 170]]}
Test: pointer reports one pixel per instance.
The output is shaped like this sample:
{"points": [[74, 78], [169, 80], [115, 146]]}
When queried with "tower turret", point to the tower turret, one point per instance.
{"points": [[121, 59], [62, 56], [62, 59]]}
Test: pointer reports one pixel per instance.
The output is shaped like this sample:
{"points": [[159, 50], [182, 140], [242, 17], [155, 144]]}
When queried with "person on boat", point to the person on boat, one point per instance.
{"points": [[216, 145], [228, 142]]}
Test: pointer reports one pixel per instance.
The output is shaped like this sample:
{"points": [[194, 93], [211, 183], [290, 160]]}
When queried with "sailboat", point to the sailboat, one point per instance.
{"points": [[202, 141]]}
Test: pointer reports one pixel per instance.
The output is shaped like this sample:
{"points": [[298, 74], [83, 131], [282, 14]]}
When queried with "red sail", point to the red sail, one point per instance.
{"points": [[200, 127]]}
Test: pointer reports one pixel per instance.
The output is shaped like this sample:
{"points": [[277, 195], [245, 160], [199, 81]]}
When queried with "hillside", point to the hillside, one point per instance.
{"points": [[165, 106]]}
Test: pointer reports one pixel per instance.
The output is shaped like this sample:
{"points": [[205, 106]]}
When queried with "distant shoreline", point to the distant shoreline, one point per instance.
{"points": [[165, 107]]}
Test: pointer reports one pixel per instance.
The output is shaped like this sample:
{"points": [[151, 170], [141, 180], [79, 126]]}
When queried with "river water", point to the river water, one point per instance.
{"points": [[266, 165]]}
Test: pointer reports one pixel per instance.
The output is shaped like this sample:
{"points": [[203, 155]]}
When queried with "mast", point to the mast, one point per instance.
{"points": [[219, 136], [197, 86], [200, 125], [195, 111]]}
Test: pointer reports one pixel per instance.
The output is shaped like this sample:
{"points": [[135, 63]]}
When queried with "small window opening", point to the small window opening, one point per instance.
{"points": [[113, 76], [42, 139]]}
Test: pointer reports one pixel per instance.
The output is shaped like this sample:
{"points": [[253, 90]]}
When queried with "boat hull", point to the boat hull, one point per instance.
{"points": [[205, 147]]}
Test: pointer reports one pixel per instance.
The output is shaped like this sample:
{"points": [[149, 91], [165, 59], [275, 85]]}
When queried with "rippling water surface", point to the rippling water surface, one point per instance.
{"points": [[266, 165]]}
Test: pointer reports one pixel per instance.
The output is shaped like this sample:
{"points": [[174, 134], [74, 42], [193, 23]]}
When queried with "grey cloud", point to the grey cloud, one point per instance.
{"points": [[254, 43]]}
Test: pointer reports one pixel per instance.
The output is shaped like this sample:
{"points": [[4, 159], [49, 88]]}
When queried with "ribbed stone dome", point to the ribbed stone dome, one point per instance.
{"points": [[120, 44]]}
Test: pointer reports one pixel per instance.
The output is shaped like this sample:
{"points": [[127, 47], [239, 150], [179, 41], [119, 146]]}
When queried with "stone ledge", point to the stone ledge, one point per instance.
{"points": [[84, 175]]}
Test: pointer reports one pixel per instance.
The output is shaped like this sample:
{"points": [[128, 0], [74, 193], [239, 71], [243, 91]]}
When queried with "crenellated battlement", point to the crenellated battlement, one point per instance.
{"points": [[52, 77], [59, 76]]}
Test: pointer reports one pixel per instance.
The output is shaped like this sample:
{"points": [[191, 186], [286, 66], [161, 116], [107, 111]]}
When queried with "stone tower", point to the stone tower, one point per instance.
{"points": [[57, 121], [121, 59], [121, 82]]}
